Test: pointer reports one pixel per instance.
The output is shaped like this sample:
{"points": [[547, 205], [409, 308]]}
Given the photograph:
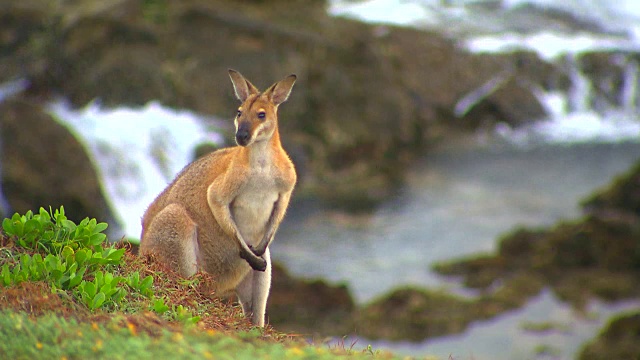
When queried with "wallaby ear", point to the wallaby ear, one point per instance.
{"points": [[279, 92], [242, 86]]}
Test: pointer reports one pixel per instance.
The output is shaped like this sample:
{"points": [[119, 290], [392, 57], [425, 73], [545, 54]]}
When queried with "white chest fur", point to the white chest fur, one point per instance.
{"points": [[253, 206]]}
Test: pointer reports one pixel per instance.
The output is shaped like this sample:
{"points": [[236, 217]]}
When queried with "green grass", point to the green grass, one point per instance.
{"points": [[66, 293], [53, 337]]}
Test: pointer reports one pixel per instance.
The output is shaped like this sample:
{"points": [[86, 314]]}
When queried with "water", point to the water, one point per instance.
{"points": [[137, 152], [577, 24], [458, 200], [456, 203], [506, 337]]}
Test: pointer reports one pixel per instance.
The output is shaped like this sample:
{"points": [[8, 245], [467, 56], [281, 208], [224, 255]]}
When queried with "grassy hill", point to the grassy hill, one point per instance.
{"points": [[66, 293]]}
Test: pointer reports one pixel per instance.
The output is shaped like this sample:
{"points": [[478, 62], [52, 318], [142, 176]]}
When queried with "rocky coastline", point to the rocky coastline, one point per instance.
{"points": [[373, 99]]}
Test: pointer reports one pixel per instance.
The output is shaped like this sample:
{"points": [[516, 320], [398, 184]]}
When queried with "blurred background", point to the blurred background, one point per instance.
{"points": [[469, 175]]}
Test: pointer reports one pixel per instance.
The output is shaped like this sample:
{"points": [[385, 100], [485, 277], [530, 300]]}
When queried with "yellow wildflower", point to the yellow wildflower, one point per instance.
{"points": [[98, 345], [132, 329], [295, 351], [177, 337]]}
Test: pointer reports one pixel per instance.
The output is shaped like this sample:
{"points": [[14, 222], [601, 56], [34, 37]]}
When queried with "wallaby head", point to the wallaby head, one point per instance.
{"points": [[257, 117]]}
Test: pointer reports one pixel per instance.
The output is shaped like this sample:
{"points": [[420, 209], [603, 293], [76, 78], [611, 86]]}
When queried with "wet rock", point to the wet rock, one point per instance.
{"points": [[533, 18], [621, 198], [309, 307], [414, 314], [579, 260], [370, 97], [611, 75], [597, 255], [418, 314], [44, 165], [619, 340]]}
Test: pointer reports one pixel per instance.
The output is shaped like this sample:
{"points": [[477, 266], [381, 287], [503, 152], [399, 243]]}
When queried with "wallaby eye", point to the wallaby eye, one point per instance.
{"points": [[239, 113], [262, 115]]}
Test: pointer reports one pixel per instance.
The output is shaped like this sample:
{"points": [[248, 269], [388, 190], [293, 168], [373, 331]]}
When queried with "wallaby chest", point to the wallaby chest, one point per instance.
{"points": [[254, 203]]}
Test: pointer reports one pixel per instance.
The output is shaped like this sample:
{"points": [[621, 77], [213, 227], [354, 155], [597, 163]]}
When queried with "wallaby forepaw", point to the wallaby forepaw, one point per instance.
{"points": [[259, 264], [256, 263], [258, 251]]}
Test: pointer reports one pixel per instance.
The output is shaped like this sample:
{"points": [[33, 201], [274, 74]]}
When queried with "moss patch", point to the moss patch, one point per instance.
{"points": [[619, 340]]}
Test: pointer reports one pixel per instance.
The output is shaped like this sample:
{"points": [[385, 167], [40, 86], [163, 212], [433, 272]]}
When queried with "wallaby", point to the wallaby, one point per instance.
{"points": [[222, 211]]}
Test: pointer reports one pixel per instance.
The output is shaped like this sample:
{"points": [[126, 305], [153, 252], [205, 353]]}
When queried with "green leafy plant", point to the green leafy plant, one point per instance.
{"points": [[103, 289], [76, 262], [76, 258], [159, 306], [142, 286], [51, 231], [180, 313]]}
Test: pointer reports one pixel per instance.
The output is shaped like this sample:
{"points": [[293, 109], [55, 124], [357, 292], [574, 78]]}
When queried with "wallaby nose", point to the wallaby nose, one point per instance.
{"points": [[242, 136]]}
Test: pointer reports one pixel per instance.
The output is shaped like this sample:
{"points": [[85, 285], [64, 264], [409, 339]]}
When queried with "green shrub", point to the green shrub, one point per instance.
{"points": [[76, 258]]}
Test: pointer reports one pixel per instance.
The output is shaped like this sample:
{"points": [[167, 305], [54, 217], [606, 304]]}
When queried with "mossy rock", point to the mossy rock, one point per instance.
{"points": [[414, 314], [312, 307], [621, 196], [619, 340]]}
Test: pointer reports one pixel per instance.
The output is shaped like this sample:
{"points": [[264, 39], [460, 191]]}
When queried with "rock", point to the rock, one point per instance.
{"points": [[44, 165], [309, 307], [25, 43], [204, 149], [621, 197], [115, 61], [619, 340], [413, 314], [370, 98], [535, 18], [610, 74], [417, 314], [594, 256]]}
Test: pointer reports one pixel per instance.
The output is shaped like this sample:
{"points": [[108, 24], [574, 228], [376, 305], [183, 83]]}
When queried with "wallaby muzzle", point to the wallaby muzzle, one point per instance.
{"points": [[243, 135]]}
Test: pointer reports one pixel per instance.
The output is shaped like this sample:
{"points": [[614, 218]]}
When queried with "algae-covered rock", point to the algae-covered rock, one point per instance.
{"points": [[595, 256], [414, 314], [619, 340], [620, 197], [608, 71], [417, 314], [578, 259], [309, 306]]}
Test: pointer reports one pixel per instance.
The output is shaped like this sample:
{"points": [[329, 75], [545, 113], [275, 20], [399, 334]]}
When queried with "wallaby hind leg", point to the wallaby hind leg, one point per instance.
{"points": [[172, 238], [253, 292]]}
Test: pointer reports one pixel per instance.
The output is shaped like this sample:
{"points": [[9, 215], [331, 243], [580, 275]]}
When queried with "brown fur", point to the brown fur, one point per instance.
{"points": [[222, 211]]}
